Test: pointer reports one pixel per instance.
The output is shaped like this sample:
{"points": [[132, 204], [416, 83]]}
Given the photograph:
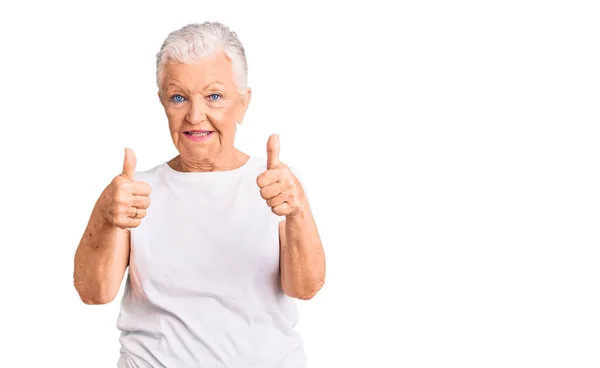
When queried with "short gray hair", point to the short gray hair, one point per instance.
{"points": [[198, 40]]}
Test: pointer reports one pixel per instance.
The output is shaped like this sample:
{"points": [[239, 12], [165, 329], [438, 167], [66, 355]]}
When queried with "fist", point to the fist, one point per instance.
{"points": [[278, 185], [124, 201]]}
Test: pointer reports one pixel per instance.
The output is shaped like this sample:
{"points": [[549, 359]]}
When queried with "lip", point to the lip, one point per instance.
{"points": [[196, 138]]}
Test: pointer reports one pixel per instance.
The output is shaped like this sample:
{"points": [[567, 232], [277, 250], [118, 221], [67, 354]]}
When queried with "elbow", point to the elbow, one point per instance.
{"points": [[307, 296], [94, 296], [96, 300], [307, 293], [312, 293]]}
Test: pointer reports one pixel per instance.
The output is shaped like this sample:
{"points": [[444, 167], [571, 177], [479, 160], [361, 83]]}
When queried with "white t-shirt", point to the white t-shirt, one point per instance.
{"points": [[203, 287]]}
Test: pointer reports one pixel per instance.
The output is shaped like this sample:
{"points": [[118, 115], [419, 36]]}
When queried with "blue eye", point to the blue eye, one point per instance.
{"points": [[177, 98], [214, 96]]}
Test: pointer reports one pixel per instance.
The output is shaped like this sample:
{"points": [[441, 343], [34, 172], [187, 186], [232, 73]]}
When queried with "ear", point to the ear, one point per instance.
{"points": [[246, 97]]}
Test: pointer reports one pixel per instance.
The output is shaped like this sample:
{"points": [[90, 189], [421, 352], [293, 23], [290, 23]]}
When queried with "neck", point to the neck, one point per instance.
{"points": [[225, 162]]}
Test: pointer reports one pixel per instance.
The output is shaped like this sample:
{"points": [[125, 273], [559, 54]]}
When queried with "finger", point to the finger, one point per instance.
{"points": [[141, 202], [131, 222], [282, 210], [270, 191], [136, 213], [141, 188], [141, 213], [132, 212], [129, 163], [273, 151], [277, 200], [268, 177]]}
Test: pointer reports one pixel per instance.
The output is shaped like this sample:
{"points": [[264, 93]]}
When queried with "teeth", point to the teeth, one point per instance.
{"points": [[198, 134]]}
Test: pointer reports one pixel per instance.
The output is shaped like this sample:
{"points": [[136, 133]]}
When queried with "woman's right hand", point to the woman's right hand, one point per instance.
{"points": [[124, 201]]}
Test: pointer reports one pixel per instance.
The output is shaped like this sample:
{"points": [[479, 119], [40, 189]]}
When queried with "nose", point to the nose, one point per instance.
{"points": [[197, 112]]}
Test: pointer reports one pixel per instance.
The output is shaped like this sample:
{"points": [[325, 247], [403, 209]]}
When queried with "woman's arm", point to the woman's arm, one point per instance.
{"points": [[302, 259], [103, 252], [100, 260]]}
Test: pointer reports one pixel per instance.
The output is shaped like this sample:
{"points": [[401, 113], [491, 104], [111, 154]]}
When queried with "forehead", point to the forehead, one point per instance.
{"points": [[199, 74]]}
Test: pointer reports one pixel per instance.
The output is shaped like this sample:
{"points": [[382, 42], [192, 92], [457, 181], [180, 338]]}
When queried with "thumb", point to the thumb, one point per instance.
{"points": [[273, 152], [129, 164]]}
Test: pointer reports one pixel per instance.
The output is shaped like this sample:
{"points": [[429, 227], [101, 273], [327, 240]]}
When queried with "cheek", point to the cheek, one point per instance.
{"points": [[175, 118], [222, 119]]}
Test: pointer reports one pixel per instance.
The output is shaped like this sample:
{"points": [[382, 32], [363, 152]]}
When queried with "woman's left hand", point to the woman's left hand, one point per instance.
{"points": [[279, 186]]}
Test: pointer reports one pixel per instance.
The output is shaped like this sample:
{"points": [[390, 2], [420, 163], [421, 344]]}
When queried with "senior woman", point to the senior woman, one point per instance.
{"points": [[219, 244]]}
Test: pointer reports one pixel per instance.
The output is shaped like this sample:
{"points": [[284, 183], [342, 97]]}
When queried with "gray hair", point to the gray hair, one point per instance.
{"points": [[196, 41]]}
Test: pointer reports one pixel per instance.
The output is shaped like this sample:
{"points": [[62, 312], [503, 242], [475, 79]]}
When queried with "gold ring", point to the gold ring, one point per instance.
{"points": [[136, 212]]}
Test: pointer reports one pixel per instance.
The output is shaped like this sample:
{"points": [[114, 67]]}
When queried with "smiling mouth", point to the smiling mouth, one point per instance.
{"points": [[198, 133]]}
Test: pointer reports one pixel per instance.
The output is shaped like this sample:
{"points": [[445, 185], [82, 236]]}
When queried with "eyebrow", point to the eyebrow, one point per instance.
{"points": [[214, 82], [173, 84], [177, 85]]}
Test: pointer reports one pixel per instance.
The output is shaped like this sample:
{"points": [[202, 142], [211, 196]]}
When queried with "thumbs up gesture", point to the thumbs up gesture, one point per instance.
{"points": [[278, 185], [124, 201]]}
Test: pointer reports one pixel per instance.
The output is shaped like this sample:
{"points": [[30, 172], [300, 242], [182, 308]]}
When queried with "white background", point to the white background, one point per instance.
{"points": [[451, 151]]}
